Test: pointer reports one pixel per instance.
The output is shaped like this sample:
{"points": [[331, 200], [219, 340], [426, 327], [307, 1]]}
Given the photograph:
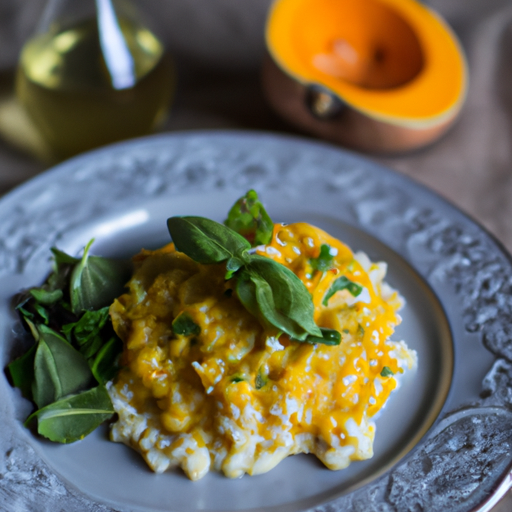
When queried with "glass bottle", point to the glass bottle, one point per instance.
{"points": [[92, 74]]}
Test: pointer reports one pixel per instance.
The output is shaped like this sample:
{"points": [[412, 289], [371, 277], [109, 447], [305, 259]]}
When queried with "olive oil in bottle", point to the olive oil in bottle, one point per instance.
{"points": [[97, 81]]}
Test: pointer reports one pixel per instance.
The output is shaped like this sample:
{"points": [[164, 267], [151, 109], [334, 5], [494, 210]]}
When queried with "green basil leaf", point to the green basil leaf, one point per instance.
{"points": [[291, 297], [106, 363], [92, 346], [72, 418], [257, 296], [232, 266], [62, 265], [86, 332], [342, 283], [61, 258], [328, 337], [96, 281], [46, 297], [25, 313], [249, 218], [97, 342], [205, 240], [261, 378], [33, 328], [59, 369], [246, 292], [22, 372], [184, 325], [323, 261], [386, 372], [42, 312]]}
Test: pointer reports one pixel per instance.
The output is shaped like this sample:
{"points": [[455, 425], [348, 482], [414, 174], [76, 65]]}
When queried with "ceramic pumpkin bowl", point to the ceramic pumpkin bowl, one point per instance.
{"points": [[375, 75]]}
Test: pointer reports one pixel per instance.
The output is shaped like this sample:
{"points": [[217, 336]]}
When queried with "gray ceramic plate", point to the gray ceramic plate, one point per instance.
{"points": [[444, 440]]}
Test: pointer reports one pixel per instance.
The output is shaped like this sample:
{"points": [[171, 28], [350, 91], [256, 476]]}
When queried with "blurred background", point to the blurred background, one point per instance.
{"points": [[218, 47]]}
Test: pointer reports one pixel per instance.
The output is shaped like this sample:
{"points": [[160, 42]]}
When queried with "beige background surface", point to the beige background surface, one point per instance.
{"points": [[218, 46]]}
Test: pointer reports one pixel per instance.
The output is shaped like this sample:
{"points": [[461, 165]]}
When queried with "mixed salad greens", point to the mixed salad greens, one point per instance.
{"points": [[75, 350]]}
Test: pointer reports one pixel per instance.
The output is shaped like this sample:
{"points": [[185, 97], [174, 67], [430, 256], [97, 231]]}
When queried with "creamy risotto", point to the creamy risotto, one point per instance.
{"points": [[227, 394]]}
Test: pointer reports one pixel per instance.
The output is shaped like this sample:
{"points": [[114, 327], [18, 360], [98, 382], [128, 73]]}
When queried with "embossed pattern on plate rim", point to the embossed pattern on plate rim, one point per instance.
{"points": [[454, 247]]}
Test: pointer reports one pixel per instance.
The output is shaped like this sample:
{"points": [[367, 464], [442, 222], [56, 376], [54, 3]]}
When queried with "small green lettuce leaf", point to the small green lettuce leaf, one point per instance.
{"points": [[46, 297], [59, 369], [21, 371], [106, 364], [96, 281], [87, 331], [72, 418], [60, 258]]}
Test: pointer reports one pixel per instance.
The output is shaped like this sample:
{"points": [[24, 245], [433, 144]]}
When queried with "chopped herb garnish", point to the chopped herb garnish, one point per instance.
{"points": [[261, 378], [184, 325], [386, 372], [342, 283], [323, 262]]}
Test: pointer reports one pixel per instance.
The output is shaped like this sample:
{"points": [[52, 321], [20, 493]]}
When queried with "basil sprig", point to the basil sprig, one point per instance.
{"points": [[75, 350], [267, 289], [249, 218]]}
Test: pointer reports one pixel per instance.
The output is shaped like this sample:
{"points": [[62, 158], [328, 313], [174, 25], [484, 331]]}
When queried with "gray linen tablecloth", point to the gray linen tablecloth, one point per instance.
{"points": [[218, 46]]}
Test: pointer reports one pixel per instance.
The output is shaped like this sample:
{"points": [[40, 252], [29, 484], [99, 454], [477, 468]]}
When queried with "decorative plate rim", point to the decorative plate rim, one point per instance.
{"points": [[451, 251]]}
